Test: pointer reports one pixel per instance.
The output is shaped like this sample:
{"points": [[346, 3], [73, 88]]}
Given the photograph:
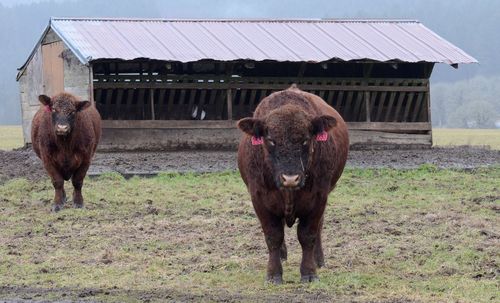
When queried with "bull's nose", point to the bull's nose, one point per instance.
{"points": [[63, 128], [290, 180]]}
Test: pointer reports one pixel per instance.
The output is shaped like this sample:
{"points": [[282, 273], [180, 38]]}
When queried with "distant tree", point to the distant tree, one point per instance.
{"points": [[477, 114]]}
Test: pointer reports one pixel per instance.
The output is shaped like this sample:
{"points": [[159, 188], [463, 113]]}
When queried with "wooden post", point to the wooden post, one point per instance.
{"points": [[367, 106], [229, 72], [230, 104], [367, 70], [152, 99], [91, 85]]}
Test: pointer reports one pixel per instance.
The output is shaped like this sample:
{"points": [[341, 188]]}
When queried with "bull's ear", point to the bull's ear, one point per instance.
{"points": [[323, 123], [81, 105], [253, 127], [45, 100]]}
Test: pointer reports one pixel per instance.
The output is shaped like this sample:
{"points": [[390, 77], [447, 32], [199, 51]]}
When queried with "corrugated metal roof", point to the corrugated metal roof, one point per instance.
{"points": [[311, 40]]}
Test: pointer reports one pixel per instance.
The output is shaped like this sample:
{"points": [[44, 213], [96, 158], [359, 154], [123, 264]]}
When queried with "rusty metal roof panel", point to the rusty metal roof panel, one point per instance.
{"points": [[279, 40]]}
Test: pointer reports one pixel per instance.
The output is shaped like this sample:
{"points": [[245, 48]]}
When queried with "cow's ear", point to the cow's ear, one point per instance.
{"points": [[81, 105], [45, 100], [323, 123], [253, 127]]}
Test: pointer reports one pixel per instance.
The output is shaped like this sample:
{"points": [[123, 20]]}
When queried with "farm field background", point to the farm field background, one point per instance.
{"points": [[420, 235], [11, 137]]}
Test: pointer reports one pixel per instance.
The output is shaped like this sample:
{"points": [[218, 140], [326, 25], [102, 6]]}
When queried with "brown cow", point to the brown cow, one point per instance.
{"points": [[290, 158], [65, 133]]}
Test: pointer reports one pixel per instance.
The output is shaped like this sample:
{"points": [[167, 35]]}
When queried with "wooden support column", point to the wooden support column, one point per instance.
{"points": [[91, 85], [367, 106], [152, 100], [367, 70], [229, 95], [230, 104]]}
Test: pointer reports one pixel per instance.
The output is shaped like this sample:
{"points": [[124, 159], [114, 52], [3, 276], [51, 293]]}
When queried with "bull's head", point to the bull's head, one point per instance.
{"points": [[64, 109], [288, 136]]}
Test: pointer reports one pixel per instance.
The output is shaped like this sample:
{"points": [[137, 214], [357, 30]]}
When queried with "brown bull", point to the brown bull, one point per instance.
{"points": [[291, 157], [65, 133]]}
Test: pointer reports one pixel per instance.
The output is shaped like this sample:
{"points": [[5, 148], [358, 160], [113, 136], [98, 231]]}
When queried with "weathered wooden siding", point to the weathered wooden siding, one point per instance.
{"points": [[74, 75], [30, 86], [171, 135]]}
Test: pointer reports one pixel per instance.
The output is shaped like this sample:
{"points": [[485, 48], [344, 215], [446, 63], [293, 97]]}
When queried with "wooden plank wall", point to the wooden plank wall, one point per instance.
{"points": [[148, 97]]}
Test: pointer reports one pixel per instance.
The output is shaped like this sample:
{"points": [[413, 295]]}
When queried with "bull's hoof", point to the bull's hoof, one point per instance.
{"points": [[309, 278], [275, 279], [57, 207], [283, 253], [320, 262], [78, 205]]}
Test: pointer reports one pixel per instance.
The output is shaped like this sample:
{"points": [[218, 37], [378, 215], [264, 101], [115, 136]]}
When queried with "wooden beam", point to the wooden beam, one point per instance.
{"points": [[192, 124], [174, 124], [390, 126], [214, 85]]}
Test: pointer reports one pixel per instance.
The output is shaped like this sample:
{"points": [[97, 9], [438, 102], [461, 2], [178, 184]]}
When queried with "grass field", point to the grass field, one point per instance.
{"points": [[423, 235], [474, 137], [11, 137]]}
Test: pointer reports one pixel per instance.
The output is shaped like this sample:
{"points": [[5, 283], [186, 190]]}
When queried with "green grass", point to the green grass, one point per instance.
{"points": [[424, 235], [473, 137], [11, 136]]}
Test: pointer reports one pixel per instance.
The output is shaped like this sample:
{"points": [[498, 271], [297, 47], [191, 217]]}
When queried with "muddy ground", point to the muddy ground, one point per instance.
{"points": [[24, 163]]}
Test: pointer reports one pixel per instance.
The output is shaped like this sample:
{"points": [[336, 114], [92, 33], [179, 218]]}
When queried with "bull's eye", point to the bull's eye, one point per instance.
{"points": [[305, 143], [271, 142]]}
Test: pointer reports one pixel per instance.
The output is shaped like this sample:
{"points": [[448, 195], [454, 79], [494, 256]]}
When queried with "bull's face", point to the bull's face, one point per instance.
{"points": [[63, 110], [288, 136]]}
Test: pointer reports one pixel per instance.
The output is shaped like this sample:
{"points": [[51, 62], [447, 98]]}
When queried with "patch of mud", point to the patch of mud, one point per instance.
{"points": [[24, 163]]}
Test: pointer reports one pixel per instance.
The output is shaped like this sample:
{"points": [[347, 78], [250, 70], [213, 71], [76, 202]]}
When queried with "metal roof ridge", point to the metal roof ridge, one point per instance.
{"points": [[306, 20]]}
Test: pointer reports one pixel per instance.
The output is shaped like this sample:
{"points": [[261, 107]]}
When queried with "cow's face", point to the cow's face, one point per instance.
{"points": [[63, 109], [288, 136]]}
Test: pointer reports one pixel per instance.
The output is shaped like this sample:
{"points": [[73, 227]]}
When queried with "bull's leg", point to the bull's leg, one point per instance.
{"points": [[283, 250], [274, 233], [308, 231], [58, 183], [77, 181], [60, 194], [318, 247]]}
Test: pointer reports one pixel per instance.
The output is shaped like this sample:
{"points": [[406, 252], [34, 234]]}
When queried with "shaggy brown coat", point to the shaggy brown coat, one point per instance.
{"points": [[288, 121], [66, 156]]}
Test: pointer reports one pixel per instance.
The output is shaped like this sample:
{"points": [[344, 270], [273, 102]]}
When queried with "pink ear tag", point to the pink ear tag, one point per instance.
{"points": [[257, 140], [323, 136], [47, 108]]}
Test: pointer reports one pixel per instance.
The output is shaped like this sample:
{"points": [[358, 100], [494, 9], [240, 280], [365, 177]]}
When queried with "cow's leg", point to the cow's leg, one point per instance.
{"points": [[307, 232], [77, 181], [318, 247], [274, 233]]}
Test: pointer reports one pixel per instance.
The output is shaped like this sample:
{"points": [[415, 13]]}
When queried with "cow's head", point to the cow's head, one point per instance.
{"points": [[288, 136], [64, 109]]}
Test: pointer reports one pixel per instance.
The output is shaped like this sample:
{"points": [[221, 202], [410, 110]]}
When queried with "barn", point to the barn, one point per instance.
{"points": [[175, 84]]}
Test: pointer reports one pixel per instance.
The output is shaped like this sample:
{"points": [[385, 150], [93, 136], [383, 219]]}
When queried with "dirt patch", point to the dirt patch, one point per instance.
{"points": [[23, 163]]}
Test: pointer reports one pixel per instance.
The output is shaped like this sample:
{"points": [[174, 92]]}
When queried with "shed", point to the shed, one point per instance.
{"points": [[170, 84]]}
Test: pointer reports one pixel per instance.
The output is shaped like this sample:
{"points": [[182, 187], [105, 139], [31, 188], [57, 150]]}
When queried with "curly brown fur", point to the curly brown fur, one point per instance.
{"points": [[289, 121], [65, 133]]}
